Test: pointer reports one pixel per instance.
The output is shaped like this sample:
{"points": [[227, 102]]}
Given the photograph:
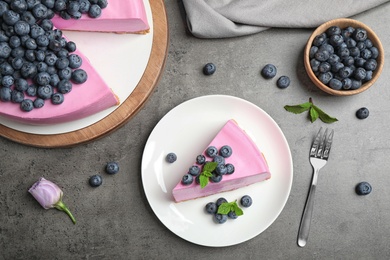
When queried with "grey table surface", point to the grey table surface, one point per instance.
{"points": [[115, 220]]}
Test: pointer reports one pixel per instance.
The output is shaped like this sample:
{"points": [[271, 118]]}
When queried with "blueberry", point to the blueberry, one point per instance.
{"points": [[359, 62], [319, 39], [194, 170], [337, 66], [95, 180], [45, 92], [55, 45], [57, 98], [59, 5], [5, 50], [7, 81], [21, 84], [102, 3], [71, 46], [171, 157], [322, 55], [200, 159], [374, 52], [347, 83], [211, 151], [334, 58], [370, 65], [226, 151], [220, 201], [216, 178], [360, 73], [333, 30], [18, 6], [362, 113], [5, 94], [232, 215], [39, 11], [21, 28], [230, 168], [368, 76], [315, 64], [211, 208], [220, 218], [363, 188], [313, 50], [284, 81], [219, 159], [336, 40], [187, 179], [55, 80], [325, 77], [42, 78], [31, 90], [17, 96], [269, 71], [343, 52], [350, 42], [65, 73], [94, 11], [51, 59], [221, 169], [209, 69], [356, 84], [328, 47], [84, 6], [335, 84], [112, 168], [42, 41], [365, 54], [10, 17], [246, 201], [348, 61], [39, 102], [324, 67], [359, 34], [79, 76], [27, 105], [345, 72], [354, 52], [42, 67]]}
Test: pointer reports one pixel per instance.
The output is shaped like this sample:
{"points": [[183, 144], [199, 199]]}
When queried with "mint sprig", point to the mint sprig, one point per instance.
{"points": [[314, 112], [206, 173], [226, 207]]}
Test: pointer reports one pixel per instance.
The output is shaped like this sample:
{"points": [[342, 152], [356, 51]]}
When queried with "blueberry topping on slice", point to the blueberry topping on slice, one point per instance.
{"points": [[211, 151], [225, 151], [200, 159], [209, 69], [95, 180], [220, 201], [39, 102], [211, 208], [79, 76], [221, 169], [284, 81], [194, 170], [94, 11], [5, 94], [187, 179], [112, 168], [64, 86], [220, 218], [171, 157], [219, 159], [246, 201], [362, 113], [230, 168], [216, 178], [17, 96], [269, 71], [363, 188]]}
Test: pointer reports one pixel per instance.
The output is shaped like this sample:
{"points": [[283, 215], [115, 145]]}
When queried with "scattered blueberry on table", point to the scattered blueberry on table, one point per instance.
{"points": [[171, 157], [95, 180], [246, 201], [112, 167], [209, 69], [269, 71], [362, 113], [283, 82], [363, 188]]}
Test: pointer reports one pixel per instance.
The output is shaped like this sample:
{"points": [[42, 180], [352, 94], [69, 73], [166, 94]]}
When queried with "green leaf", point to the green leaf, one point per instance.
{"points": [[238, 210], [207, 174], [203, 180], [210, 166], [297, 109], [224, 208], [313, 114], [324, 116]]}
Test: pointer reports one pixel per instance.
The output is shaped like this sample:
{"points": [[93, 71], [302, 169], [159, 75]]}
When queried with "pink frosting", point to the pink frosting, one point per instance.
{"points": [[121, 16], [84, 100], [250, 165]]}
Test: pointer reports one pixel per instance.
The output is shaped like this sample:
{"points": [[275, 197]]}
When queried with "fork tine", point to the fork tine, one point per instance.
{"points": [[315, 144], [320, 150], [328, 144]]}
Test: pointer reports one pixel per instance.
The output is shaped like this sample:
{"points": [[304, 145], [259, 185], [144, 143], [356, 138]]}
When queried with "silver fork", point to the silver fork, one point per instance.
{"points": [[319, 154]]}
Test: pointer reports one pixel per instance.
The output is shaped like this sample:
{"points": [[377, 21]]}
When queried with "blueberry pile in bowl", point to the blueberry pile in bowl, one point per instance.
{"points": [[343, 57]]}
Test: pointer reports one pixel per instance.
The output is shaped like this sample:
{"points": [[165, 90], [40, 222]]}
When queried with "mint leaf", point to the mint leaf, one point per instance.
{"points": [[238, 210], [297, 109], [203, 181], [224, 208], [207, 174], [325, 117], [313, 114], [210, 166]]}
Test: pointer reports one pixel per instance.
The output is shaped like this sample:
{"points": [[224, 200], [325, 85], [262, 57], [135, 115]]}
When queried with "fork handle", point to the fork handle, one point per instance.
{"points": [[304, 227]]}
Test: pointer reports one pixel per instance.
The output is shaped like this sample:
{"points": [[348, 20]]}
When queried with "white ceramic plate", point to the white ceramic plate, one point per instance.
{"points": [[186, 130], [120, 59]]}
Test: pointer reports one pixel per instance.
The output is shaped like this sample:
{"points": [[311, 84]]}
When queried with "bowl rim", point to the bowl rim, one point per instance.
{"points": [[345, 22]]}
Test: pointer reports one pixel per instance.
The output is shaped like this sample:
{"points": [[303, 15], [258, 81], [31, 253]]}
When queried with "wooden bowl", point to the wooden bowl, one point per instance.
{"points": [[343, 23]]}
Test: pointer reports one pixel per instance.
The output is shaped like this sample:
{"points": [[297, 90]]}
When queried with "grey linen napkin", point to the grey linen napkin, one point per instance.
{"points": [[230, 18]]}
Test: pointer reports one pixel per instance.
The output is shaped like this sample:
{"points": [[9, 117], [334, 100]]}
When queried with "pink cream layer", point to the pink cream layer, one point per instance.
{"points": [[84, 100], [120, 16], [250, 165]]}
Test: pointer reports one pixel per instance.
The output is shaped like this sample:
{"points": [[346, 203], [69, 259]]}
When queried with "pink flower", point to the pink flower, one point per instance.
{"points": [[49, 195]]}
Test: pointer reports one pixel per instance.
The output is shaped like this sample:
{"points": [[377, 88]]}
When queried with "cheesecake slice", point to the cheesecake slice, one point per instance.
{"points": [[120, 16], [249, 164]]}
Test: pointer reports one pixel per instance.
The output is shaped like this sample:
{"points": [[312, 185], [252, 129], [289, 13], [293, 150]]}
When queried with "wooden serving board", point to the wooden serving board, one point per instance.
{"points": [[127, 109]]}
